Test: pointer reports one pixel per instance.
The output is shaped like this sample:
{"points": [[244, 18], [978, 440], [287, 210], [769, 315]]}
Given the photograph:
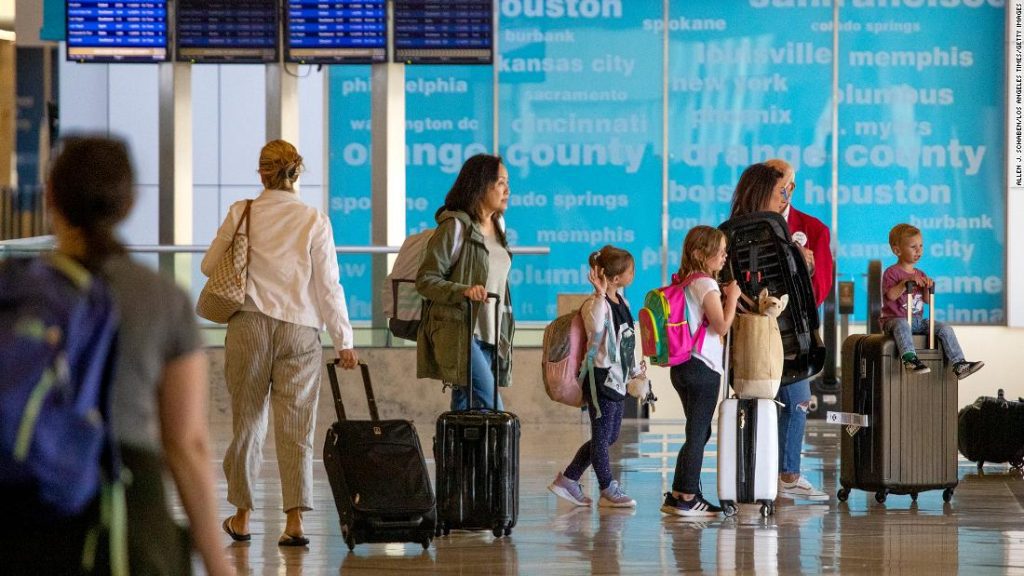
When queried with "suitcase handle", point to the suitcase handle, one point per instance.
{"points": [[339, 406], [469, 346], [931, 316], [911, 285], [726, 364]]}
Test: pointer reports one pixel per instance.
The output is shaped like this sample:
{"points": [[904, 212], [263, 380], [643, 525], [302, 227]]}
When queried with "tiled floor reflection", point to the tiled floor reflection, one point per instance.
{"points": [[980, 532]]}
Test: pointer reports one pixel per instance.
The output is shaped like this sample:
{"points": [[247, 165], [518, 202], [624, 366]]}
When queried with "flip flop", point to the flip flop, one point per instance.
{"points": [[237, 537], [289, 540]]}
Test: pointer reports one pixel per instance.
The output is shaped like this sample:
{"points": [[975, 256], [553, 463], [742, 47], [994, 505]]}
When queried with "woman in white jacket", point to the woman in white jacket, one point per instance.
{"points": [[273, 356], [612, 361]]}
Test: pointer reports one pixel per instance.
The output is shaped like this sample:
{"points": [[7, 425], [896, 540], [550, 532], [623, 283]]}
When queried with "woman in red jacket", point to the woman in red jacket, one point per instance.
{"points": [[814, 239]]}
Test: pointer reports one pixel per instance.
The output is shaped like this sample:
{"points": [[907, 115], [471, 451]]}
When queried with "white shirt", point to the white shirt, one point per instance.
{"points": [[293, 268], [596, 311], [498, 265], [712, 351]]}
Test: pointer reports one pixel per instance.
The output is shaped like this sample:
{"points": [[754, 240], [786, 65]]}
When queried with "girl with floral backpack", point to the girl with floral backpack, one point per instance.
{"points": [[614, 369]]}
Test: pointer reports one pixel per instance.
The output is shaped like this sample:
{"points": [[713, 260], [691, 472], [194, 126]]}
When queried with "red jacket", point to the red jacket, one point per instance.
{"points": [[811, 233]]}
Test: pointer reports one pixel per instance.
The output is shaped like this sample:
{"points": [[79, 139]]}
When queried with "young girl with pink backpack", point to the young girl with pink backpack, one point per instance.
{"points": [[615, 361], [698, 380]]}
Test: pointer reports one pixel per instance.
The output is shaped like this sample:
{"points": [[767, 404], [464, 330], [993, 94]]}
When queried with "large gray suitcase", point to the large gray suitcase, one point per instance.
{"points": [[909, 445]]}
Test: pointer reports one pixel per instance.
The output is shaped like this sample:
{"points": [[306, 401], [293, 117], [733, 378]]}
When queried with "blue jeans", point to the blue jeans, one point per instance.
{"points": [[483, 380], [903, 335], [792, 422]]}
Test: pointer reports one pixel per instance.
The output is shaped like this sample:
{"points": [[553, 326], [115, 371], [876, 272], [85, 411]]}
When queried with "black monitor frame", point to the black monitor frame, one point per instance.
{"points": [[228, 53], [335, 55], [118, 54], [445, 50]]}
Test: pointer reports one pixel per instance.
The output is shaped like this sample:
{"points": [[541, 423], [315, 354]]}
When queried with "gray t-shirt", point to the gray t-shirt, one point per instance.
{"points": [[157, 326], [498, 264]]}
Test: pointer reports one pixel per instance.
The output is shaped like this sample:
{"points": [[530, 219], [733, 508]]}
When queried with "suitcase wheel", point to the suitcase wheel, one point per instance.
{"points": [[729, 509], [947, 494], [913, 496], [843, 494], [880, 496], [351, 542], [767, 508], [426, 543], [498, 531], [508, 531]]}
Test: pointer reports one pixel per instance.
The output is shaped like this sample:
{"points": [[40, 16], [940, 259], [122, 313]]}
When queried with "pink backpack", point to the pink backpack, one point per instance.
{"points": [[562, 355], [667, 336]]}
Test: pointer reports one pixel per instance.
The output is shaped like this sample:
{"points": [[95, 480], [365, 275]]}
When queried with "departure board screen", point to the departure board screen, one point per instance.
{"points": [[338, 32], [226, 31], [444, 31], [106, 31]]}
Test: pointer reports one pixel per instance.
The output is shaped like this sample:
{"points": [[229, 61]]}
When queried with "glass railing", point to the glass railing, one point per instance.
{"points": [[187, 259]]}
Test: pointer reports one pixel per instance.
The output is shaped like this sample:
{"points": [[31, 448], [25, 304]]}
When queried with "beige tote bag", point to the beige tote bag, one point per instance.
{"points": [[224, 292], [757, 354]]}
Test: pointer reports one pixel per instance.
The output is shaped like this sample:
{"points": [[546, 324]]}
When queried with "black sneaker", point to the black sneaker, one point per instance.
{"points": [[696, 507], [915, 366], [963, 369]]}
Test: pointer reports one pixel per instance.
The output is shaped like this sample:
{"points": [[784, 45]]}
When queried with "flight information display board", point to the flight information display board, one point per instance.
{"points": [[444, 31], [225, 31], [338, 32], [106, 31]]}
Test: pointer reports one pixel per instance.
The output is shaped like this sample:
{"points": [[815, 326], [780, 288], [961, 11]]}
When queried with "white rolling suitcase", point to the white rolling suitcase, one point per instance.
{"points": [[748, 450], [748, 454]]}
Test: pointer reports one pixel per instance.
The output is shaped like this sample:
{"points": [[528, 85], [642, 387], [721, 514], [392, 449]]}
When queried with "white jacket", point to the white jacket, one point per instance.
{"points": [[597, 319], [293, 269]]}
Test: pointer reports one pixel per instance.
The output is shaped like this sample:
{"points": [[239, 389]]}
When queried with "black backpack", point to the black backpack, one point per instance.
{"points": [[762, 255]]}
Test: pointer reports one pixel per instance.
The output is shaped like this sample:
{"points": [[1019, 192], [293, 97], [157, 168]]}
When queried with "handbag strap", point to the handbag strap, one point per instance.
{"points": [[244, 220], [746, 305]]}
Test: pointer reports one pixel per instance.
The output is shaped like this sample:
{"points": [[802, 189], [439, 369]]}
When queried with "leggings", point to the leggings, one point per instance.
{"points": [[604, 431]]}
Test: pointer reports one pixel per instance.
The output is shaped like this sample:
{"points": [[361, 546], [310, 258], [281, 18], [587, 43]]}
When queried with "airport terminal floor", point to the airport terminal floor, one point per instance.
{"points": [[979, 532]]}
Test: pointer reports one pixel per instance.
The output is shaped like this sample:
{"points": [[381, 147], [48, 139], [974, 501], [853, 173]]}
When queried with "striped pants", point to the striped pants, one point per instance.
{"points": [[271, 364]]}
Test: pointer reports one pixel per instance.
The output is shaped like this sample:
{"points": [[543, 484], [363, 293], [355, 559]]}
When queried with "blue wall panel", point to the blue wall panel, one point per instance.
{"points": [[580, 108]]}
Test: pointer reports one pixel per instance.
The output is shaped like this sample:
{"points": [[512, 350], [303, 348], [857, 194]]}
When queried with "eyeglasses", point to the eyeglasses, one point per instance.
{"points": [[787, 189]]}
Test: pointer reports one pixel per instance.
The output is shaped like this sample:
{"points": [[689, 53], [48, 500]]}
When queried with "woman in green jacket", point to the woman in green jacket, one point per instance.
{"points": [[466, 258]]}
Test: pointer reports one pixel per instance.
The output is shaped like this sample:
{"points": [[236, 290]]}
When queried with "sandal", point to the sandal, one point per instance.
{"points": [[289, 540], [236, 536]]}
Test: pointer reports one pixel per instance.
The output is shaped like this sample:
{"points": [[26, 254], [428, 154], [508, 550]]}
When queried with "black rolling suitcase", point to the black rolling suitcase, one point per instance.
{"points": [[476, 452], [378, 476], [762, 255], [909, 444], [992, 430]]}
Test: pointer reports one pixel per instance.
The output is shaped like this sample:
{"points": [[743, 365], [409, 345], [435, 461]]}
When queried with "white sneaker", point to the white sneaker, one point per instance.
{"points": [[801, 489]]}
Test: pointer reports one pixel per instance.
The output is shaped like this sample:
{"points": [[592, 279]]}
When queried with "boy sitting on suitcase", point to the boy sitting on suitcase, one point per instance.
{"points": [[903, 283]]}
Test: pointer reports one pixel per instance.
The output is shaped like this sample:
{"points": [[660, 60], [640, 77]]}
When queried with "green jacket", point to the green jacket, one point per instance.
{"points": [[442, 343]]}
